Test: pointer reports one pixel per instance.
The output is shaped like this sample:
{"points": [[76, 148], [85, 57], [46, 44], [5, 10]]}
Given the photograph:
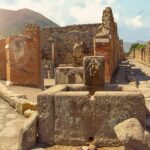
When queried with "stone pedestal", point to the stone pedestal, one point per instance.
{"points": [[94, 69]]}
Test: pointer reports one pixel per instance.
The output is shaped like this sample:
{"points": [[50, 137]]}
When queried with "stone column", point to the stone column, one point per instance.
{"points": [[53, 54]]}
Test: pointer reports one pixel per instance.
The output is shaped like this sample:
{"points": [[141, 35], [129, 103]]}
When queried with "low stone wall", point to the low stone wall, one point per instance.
{"points": [[28, 134], [17, 101], [74, 117]]}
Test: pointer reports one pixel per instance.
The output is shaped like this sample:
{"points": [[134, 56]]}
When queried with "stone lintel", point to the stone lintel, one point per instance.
{"points": [[102, 40]]}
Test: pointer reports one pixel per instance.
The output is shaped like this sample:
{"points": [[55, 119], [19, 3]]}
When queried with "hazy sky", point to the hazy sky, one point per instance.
{"points": [[132, 16]]}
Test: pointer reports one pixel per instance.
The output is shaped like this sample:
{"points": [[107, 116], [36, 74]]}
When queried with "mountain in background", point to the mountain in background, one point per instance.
{"points": [[127, 45], [13, 22]]}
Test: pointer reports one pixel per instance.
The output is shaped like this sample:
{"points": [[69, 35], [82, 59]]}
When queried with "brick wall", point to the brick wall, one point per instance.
{"points": [[65, 39], [108, 44], [142, 54], [104, 49], [23, 58], [2, 60]]}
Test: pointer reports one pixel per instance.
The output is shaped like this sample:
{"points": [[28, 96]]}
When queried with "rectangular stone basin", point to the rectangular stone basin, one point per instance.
{"points": [[70, 115]]}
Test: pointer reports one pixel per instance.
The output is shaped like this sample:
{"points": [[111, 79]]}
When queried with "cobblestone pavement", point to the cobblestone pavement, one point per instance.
{"points": [[142, 74], [10, 125], [120, 75]]}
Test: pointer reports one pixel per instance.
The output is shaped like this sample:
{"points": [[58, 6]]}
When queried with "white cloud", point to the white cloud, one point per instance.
{"points": [[135, 22], [92, 12], [64, 11]]}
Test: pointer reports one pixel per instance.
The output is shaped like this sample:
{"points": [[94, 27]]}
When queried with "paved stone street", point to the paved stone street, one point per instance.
{"points": [[142, 74], [10, 125]]}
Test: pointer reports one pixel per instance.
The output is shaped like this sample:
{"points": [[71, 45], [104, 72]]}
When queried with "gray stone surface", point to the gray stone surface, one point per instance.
{"points": [[94, 69], [45, 107], [69, 75], [74, 118], [17, 101], [11, 124], [28, 134], [70, 111], [121, 106], [133, 136]]}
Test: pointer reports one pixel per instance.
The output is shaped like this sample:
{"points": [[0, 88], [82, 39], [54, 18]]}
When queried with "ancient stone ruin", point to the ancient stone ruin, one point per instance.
{"points": [[88, 106], [107, 44], [72, 43], [76, 114], [141, 54], [21, 59]]}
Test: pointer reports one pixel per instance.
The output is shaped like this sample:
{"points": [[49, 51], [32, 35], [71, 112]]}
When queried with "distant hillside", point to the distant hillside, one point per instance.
{"points": [[127, 45], [12, 22]]}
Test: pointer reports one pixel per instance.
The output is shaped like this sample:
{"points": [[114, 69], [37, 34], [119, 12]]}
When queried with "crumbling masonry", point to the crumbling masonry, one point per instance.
{"points": [[70, 44], [107, 43], [142, 54], [20, 58]]}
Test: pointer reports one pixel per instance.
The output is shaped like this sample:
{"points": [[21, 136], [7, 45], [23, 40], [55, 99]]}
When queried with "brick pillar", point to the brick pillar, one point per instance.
{"points": [[102, 47], [23, 58], [2, 60]]}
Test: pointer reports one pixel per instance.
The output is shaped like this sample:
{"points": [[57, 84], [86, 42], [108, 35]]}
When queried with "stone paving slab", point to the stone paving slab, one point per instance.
{"points": [[11, 124], [143, 79], [56, 147]]}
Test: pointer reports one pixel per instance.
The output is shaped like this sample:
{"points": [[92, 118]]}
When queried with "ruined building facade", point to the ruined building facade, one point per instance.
{"points": [[68, 45], [108, 44], [142, 54], [64, 40], [21, 62]]}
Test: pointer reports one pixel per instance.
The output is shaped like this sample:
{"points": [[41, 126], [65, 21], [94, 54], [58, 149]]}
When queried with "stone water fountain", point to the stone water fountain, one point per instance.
{"points": [[77, 114]]}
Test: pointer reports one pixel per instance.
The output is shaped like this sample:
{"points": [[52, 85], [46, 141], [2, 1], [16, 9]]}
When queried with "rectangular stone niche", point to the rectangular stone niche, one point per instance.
{"points": [[68, 115]]}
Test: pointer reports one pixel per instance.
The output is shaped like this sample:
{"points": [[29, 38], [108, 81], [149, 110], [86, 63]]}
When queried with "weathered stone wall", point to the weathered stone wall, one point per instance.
{"points": [[23, 58], [108, 44], [65, 39], [146, 53], [122, 53], [60, 44], [73, 118], [141, 54], [2, 60]]}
